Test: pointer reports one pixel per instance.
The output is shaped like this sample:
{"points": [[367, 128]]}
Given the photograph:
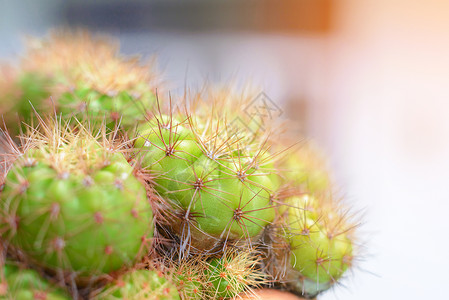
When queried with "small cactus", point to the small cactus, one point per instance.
{"points": [[17, 91], [232, 274], [320, 243], [22, 283], [139, 284], [71, 202], [219, 191], [188, 275], [310, 246], [80, 75]]}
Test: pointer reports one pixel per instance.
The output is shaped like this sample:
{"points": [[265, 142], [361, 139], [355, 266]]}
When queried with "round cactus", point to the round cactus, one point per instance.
{"points": [[139, 284], [84, 76], [316, 247], [17, 91], [236, 272], [72, 204], [188, 274], [26, 284], [220, 192]]}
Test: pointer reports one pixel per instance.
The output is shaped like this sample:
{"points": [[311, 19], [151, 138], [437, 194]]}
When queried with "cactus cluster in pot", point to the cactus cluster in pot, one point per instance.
{"points": [[111, 191]]}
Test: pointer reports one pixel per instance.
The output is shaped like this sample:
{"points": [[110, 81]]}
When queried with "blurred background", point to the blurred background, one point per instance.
{"points": [[368, 80]]}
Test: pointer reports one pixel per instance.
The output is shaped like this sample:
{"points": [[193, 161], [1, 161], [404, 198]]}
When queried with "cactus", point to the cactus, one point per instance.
{"points": [[234, 273], [321, 245], [188, 275], [83, 75], [211, 192], [72, 204], [17, 91], [22, 283], [310, 245], [139, 284], [219, 191]]}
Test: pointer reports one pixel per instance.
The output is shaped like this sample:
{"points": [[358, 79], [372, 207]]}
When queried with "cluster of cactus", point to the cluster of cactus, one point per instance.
{"points": [[110, 192]]}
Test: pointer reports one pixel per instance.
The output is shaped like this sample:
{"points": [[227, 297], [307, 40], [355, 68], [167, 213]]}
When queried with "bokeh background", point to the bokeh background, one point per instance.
{"points": [[367, 79]]}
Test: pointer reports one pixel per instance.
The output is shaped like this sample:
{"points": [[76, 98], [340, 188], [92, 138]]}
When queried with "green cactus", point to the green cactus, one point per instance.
{"points": [[26, 284], [220, 192], [188, 275], [84, 76], [16, 94], [139, 284], [316, 248], [234, 273], [72, 204]]}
